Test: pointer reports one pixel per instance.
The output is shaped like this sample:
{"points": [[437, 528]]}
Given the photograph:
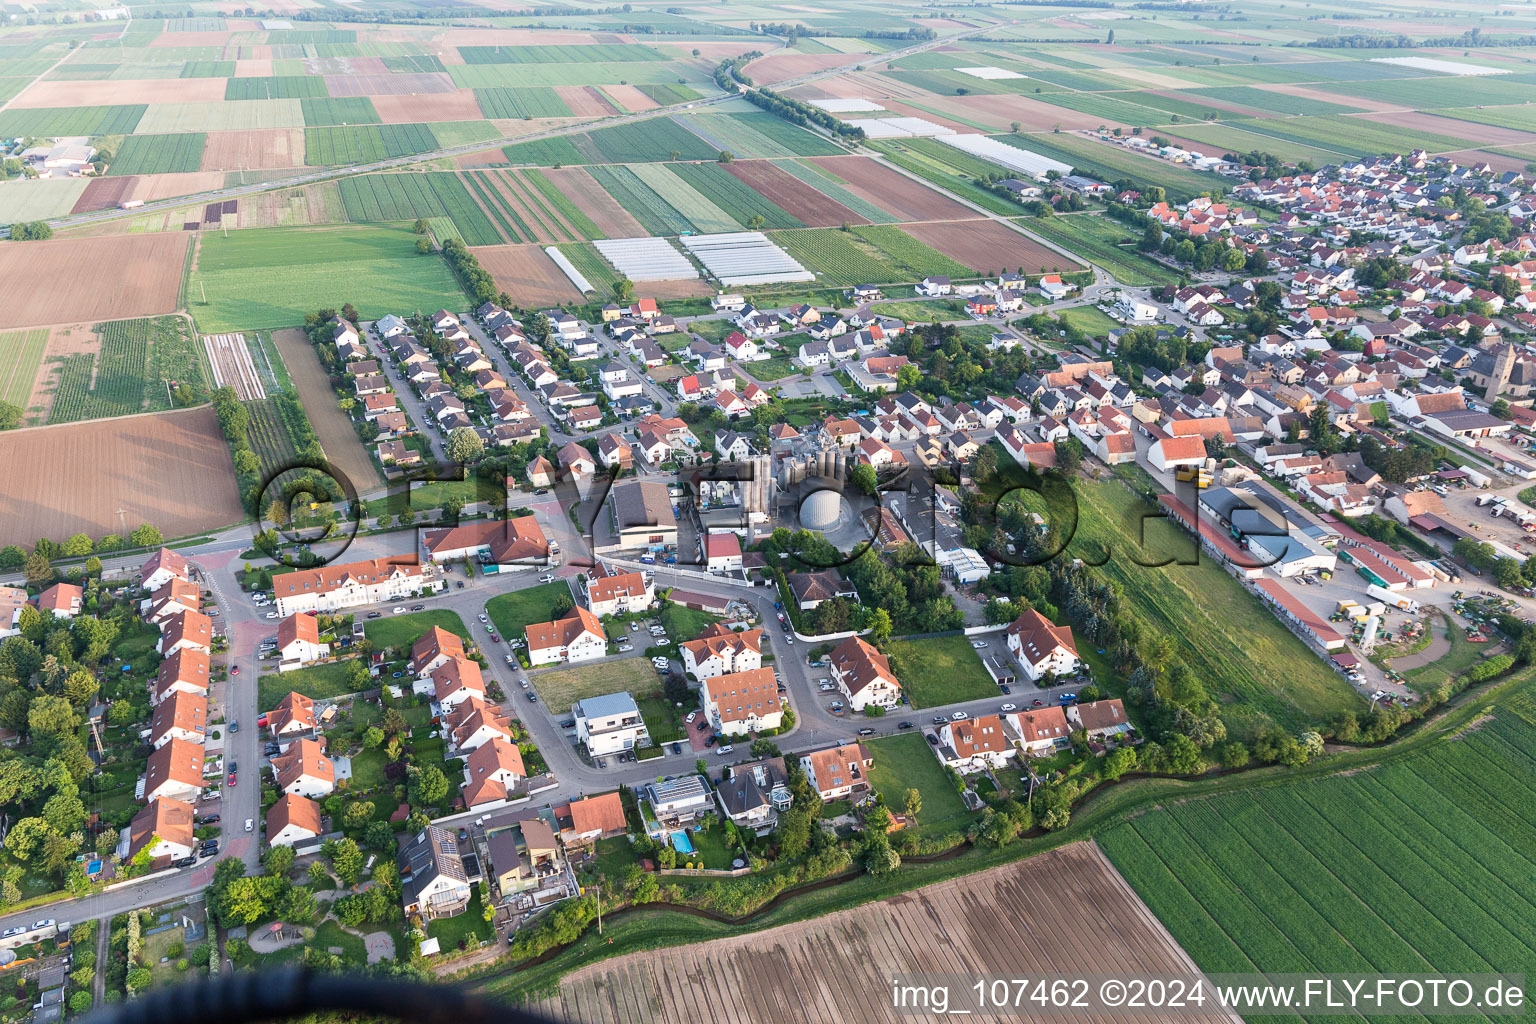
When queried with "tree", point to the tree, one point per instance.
{"points": [[31, 231], [379, 836], [10, 415], [1118, 762], [623, 290], [279, 861], [879, 858], [146, 536], [913, 804], [373, 736], [347, 859], [984, 465], [50, 716], [423, 247], [726, 156], [864, 478], [1152, 238], [420, 227], [38, 570], [77, 546], [357, 814], [428, 785], [464, 445], [25, 839], [12, 557], [880, 626], [357, 675]]}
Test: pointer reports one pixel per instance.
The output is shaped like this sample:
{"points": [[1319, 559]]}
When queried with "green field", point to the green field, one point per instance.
{"points": [[208, 69], [262, 278], [51, 122], [488, 76], [1096, 239], [346, 110], [906, 762], [131, 373], [645, 141], [1274, 102], [1521, 118], [159, 154], [939, 670], [362, 144], [511, 102], [733, 195], [949, 169], [1421, 864], [1089, 319], [758, 134], [545, 152], [865, 255], [424, 64], [608, 53], [513, 611], [21, 353], [405, 197], [404, 630], [1110, 162], [655, 214], [1348, 136], [917, 259], [831, 186], [669, 93], [1254, 667], [275, 87], [562, 204], [675, 191], [317, 682]]}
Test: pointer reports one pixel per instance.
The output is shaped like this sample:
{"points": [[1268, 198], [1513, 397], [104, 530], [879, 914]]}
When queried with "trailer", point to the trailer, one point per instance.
{"points": [[1393, 599]]}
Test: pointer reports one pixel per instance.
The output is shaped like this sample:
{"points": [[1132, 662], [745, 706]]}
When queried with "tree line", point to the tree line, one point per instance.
{"points": [[803, 114]]}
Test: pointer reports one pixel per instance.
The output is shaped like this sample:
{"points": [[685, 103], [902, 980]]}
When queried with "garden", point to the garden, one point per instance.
{"points": [[940, 670]]}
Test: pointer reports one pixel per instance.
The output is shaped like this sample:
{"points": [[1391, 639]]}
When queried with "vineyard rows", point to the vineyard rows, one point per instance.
{"points": [[655, 215]]}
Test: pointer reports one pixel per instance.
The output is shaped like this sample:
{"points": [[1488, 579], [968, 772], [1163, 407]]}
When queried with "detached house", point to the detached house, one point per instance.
{"points": [[864, 675], [737, 703], [840, 772], [974, 744], [578, 636], [304, 770], [1040, 647]]}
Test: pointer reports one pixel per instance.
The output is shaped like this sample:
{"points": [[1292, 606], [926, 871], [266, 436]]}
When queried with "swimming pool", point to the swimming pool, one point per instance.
{"points": [[681, 843]]}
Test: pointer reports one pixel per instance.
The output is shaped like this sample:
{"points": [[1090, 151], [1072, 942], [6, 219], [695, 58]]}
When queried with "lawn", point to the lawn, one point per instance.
{"points": [[404, 630], [939, 670], [663, 719], [368, 770], [514, 611], [905, 762], [1090, 320], [317, 682], [330, 936], [261, 278], [1462, 656], [922, 312], [470, 927], [1097, 239], [710, 850], [561, 688], [683, 623], [1250, 664]]}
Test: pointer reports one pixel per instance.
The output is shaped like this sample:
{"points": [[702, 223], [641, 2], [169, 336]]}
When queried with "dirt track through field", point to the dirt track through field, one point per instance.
{"points": [[892, 191], [170, 469], [332, 426], [67, 280], [1061, 913]]}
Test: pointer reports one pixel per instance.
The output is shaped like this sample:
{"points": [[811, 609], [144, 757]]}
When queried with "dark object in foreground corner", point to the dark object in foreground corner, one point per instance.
{"points": [[277, 995]]}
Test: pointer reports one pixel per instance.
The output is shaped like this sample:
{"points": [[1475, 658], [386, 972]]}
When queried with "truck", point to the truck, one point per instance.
{"points": [[1393, 599], [1346, 604]]}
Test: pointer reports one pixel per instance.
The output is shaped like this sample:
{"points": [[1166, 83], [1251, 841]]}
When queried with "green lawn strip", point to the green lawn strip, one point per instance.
{"points": [[1089, 319], [317, 682], [930, 169], [404, 630], [663, 720], [466, 929], [907, 762], [683, 623], [937, 670], [514, 611]]}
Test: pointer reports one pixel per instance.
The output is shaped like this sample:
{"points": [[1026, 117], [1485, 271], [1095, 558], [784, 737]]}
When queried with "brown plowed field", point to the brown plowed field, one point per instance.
{"points": [[106, 93], [793, 195], [776, 68], [1065, 912], [458, 105], [387, 84], [332, 426], [150, 187], [580, 187], [170, 469], [70, 280], [253, 68], [891, 191], [684, 288], [987, 245], [254, 150], [531, 208], [103, 194], [526, 274], [584, 100], [480, 158], [906, 110], [630, 98], [1001, 111]]}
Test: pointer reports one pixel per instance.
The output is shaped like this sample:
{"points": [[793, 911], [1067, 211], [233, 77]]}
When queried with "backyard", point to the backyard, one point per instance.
{"points": [[684, 624], [904, 762], [404, 630], [318, 682], [663, 719], [514, 611], [469, 928], [939, 670]]}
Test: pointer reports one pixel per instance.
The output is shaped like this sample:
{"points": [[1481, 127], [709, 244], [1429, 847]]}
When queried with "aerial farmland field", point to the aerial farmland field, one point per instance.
{"points": [[271, 277]]}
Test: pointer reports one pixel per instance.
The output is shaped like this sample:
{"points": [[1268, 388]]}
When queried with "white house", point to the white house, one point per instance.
{"points": [[1041, 647], [293, 820], [719, 650], [737, 703], [578, 636], [864, 675], [609, 724]]}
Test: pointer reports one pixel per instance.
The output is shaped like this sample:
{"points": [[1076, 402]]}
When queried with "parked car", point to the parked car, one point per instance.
{"points": [[418, 607], [463, 834], [826, 687], [1037, 703], [677, 748], [728, 749], [703, 724], [866, 732], [625, 648], [397, 610], [569, 723], [273, 615], [250, 824], [234, 725], [184, 862], [600, 762], [546, 578], [371, 615], [482, 617], [939, 719], [1010, 707], [1006, 688], [959, 716], [932, 739], [691, 715], [533, 698], [978, 644], [510, 660], [231, 779], [905, 725]]}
